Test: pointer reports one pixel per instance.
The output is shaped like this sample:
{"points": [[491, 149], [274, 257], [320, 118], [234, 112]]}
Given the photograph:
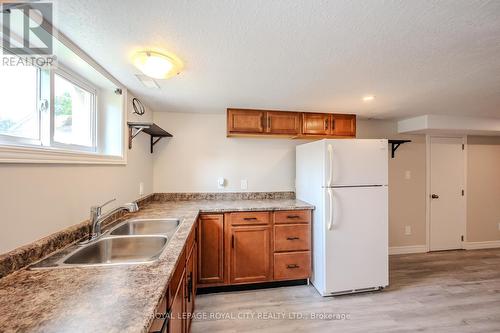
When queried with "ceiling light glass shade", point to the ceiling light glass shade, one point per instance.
{"points": [[157, 65]]}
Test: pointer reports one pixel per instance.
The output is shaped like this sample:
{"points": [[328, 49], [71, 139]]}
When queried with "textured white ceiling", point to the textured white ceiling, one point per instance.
{"points": [[416, 56]]}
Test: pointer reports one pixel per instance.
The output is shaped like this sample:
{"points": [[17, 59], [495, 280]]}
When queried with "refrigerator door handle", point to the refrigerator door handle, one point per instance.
{"points": [[330, 210], [330, 165]]}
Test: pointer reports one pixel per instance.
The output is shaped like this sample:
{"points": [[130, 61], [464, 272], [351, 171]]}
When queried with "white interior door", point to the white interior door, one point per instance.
{"points": [[447, 201]]}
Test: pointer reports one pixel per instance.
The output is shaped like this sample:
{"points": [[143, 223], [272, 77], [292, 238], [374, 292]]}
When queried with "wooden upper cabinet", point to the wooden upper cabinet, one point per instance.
{"points": [[343, 125], [316, 123], [250, 255], [211, 249], [292, 124], [282, 122], [245, 121]]}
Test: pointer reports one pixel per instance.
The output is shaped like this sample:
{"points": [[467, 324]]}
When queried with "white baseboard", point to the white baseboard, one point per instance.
{"points": [[407, 249], [481, 245]]}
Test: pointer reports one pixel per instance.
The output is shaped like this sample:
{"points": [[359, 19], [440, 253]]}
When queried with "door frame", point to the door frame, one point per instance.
{"points": [[428, 138]]}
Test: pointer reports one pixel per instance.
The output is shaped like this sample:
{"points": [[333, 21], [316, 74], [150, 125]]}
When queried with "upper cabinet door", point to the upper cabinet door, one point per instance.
{"points": [[344, 125], [316, 123], [245, 121], [283, 122]]}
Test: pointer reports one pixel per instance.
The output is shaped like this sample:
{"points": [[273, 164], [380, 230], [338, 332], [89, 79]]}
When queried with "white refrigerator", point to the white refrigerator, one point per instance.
{"points": [[347, 181]]}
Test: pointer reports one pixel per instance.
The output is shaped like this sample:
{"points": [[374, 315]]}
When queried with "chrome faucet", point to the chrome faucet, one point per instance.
{"points": [[96, 216]]}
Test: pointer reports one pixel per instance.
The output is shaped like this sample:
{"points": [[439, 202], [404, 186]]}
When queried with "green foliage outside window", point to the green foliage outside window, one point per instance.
{"points": [[63, 105]]}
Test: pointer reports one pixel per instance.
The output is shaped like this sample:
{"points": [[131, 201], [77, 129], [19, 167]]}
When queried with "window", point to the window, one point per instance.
{"points": [[74, 114], [71, 111], [19, 117], [27, 117]]}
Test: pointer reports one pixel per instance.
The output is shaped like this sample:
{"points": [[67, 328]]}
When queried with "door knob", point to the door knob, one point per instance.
{"points": [[435, 196]]}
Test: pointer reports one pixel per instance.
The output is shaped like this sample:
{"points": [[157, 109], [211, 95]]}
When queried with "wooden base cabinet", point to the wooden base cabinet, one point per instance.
{"points": [[258, 247], [191, 269], [174, 313]]}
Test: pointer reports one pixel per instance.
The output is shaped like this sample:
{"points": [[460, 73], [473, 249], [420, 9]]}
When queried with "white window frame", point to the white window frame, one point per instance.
{"points": [[46, 119], [25, 150]]}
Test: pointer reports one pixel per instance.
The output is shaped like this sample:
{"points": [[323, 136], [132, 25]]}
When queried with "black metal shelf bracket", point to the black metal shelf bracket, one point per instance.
{"points": [[395, 145], [154, 140], [156, 132]]}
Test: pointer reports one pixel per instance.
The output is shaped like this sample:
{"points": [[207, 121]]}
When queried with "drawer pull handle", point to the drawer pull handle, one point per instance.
{"points": [[293, 217], [250, 218], [292, 238], [292, 266]]}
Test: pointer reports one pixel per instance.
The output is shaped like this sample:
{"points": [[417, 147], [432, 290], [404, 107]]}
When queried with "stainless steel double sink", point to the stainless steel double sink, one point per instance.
{"points": [[130, 242]]}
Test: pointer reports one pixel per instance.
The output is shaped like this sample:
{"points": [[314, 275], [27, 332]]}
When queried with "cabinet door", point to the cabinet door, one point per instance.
{"points": [[211, 249], [245, 121], [344, 125], [316, 123], [250, 254], [282, 122], [190, 286], [158, 325], [177, 321]]}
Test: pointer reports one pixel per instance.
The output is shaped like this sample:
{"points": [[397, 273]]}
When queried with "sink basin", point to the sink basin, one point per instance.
{"points": [[118, 250], [146, 227]]}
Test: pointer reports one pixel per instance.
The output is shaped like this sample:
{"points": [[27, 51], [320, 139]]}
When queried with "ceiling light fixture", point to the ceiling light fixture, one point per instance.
{"points": [[368, 98], [157, 65]]}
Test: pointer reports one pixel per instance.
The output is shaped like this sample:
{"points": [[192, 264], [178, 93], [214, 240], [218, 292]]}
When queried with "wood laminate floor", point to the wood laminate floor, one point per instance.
{"points": [[452, 291]]}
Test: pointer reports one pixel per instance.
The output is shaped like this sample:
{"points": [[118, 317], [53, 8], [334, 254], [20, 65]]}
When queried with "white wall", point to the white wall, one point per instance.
{"points": [[199, 153], [37, 200], [483, 189]]}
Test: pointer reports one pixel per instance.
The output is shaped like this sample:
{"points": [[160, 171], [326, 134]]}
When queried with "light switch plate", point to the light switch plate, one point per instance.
{"points": [[407, 174], [141, 188], [244, 184]]}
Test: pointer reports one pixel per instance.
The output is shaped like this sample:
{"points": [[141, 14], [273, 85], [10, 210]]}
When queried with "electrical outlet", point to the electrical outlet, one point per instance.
{"points": [[408, 230], [407, 174], [141, 188], [244, 184], [221, 182]]}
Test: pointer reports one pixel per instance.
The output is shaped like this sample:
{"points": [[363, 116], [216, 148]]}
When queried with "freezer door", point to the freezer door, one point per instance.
{"points": [[356, 162], [356, 238]]}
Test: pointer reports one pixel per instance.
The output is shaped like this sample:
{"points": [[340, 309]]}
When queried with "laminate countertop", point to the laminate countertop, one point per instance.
{"points": [[110, 298]]}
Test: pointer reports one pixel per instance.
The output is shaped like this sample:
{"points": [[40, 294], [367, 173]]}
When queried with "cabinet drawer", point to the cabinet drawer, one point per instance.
{"points": [[289, 266], [292, 237], [249, 218], [292, 216]]}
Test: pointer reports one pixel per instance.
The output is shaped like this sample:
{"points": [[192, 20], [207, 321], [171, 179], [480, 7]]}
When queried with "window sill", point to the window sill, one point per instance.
{"points": [[44, 155]]}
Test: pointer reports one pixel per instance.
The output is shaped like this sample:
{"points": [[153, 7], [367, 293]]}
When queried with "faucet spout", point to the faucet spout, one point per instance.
{"points": [[96, 216]]}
